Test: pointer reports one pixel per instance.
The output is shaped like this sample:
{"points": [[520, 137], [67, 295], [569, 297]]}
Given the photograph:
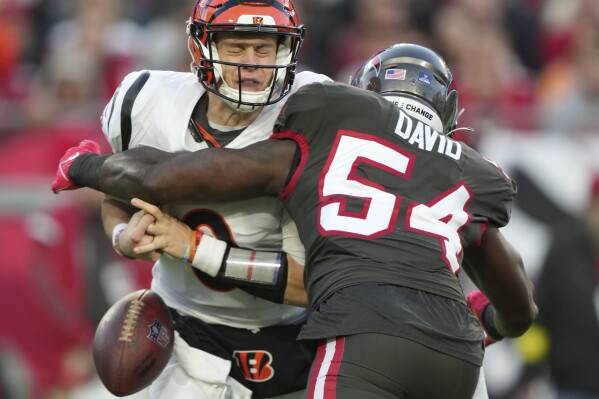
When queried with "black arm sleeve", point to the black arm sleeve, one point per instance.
{"points": [[85, 170]]}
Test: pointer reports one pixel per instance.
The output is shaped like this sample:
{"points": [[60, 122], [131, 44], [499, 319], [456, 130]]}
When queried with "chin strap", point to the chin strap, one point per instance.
{"points": [[452, 131]]}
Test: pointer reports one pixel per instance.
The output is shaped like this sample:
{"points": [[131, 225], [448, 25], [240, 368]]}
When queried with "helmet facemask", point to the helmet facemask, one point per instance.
{"points": [[209, 70]]}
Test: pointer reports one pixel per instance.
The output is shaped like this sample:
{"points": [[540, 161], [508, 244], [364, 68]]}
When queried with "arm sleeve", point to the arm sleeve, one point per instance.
{"points": [[493, 189], [291, 240], [303, 110]]}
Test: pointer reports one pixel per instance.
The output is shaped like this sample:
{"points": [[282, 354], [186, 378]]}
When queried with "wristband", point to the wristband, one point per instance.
{"points": [[194, 241], [185, 257], [190, 252], [116, 233], [209, 254], [488, 319]]}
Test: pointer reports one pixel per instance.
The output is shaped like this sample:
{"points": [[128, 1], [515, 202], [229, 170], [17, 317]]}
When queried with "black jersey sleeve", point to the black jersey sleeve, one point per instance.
{"points": [[303, 110], [493, 189]]}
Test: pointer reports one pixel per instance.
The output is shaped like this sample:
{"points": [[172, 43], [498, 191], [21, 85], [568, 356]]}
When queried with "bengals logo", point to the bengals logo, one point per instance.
{"points": [[258, 20], [255, 365]]}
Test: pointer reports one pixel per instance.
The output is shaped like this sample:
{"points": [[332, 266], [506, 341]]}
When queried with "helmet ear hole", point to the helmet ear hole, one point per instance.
{"points": [[374, 84], [450, 114]]}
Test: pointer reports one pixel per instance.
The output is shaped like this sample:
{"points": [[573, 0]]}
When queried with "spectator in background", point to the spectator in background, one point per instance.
{"points": [[495, 87], [568, 300], [14, 80], [568, 90], [15, 381], [102, 31], [374, 24], [555, 30], [57, 277], [163, 35]]}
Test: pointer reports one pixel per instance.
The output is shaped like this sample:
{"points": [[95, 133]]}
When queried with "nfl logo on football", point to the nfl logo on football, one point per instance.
{"points": [[158, 334]]}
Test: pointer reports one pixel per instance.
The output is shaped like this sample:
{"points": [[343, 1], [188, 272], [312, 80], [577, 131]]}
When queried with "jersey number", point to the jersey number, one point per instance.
{"points": [[441, 218]]}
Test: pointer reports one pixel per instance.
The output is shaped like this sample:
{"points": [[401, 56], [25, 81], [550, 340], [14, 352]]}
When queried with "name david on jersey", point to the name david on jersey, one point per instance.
{"points": [[426, 138]]}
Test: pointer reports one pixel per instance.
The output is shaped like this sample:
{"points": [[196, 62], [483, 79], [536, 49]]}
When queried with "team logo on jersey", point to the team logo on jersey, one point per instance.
{"points": [[159, 334], [255, 365]]}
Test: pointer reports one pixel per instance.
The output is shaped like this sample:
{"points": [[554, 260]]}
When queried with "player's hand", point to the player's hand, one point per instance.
{"points": [[171, 236], [478, 302], [136, 234], [62, 181]]}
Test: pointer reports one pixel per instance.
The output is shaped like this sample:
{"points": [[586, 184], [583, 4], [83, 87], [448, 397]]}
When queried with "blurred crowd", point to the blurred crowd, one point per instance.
{"points": [[531, 66]]}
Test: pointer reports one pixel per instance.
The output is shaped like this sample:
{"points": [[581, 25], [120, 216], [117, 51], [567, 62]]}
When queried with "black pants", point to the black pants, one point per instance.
{"points": [[270, 362], [369, 366]]}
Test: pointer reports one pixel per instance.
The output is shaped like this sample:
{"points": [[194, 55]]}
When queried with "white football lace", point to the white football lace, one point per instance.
{"points": [[131, 320]]}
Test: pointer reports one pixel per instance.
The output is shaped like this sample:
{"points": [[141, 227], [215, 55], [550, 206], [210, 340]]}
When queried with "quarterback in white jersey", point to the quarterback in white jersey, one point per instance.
{"points": [[244, 59], [159, 118]]}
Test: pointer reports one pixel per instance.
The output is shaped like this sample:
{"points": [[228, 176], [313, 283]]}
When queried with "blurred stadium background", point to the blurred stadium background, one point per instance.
{"points": [[528, 76]]}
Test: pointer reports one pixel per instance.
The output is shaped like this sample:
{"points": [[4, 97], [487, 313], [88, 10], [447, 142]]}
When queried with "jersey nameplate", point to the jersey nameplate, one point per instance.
{"points": [[424, 137]]}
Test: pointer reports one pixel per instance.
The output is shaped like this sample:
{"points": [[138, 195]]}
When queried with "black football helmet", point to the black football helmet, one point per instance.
{"points": [[419, 79]]}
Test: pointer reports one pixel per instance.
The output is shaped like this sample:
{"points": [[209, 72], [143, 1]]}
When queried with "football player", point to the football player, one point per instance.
{"points": [[389, 208], [232, 339]]}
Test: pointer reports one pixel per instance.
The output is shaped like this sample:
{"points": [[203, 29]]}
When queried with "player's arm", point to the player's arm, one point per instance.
{"points": [[295, 292], [496, 268], [126, 227], [208, 175], [270, 275]]}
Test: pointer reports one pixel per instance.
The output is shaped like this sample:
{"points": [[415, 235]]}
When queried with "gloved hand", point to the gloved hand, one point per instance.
{"points": [[62, 181], [478, 303]]}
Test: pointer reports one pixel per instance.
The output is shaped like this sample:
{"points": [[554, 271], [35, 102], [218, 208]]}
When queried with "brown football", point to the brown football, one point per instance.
{"points": [[133, 342]]}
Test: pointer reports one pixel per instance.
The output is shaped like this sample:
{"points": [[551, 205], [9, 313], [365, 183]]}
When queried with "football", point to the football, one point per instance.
{"points": [[133, 342]]}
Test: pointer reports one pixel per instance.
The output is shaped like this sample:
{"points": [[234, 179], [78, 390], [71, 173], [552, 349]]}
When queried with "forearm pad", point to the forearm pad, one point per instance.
{"points": [[262, 274]]}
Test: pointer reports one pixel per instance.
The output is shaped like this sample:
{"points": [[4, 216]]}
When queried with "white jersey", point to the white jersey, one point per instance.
{"points": [[153, 108]]}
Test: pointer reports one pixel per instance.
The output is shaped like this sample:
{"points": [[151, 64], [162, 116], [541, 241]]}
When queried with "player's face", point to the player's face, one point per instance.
{"points": [[256, 49]]}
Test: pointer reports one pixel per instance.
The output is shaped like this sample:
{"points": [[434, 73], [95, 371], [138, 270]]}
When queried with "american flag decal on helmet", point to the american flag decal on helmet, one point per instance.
{"points": [[399, 74], [159, 334]]}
